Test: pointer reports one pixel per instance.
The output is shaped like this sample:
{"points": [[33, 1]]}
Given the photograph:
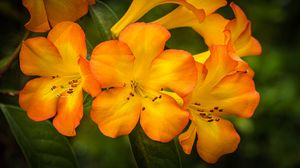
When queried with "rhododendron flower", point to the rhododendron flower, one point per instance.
{"points": [[221, 90], [136, 70], [138, 8], [60, 61], [54, 11]]}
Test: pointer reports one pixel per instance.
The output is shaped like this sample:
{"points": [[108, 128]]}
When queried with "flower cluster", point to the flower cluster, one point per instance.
{"points": [[134, 79]]}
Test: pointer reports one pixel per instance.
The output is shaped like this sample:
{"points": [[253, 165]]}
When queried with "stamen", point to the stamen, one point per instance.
{"points": [[143, 108]]}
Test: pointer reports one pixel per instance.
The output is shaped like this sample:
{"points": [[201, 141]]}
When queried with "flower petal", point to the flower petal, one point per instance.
{"points": [[70, 112], [202, 57], [215, 139], [209, 6], [219, 64], [114, 114], [146, 41], [112, 63], [65, 10], [212, 29], [187, 139], [162, 119], [90, 84], [38, 16], [37, 55], [181, 17], [174, 69], [37, 99], [253, 47], [236, 94], [69, 39], [140, 7]]}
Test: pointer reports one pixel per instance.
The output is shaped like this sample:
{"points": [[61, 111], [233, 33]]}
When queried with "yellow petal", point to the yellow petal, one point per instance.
{"points": [[112, 63], [140, 7], [69, 113], [181, 17], [65, 10], [38, 56], [187, 139], [202, 57], [38, 16], [162, 119], [173, 69], [38, 100], [236, 94], [146, 41], [215, 139], [90, 84], [69, 39], [114, 114], [253, 47]]}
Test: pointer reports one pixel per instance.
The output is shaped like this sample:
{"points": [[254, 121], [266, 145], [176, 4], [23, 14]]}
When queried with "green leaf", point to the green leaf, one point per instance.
{"points": [[41, 144], [104, 18], [149, 153]]}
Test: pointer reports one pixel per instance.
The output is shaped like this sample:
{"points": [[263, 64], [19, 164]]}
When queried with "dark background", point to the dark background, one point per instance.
{"points": [[271, 138]]}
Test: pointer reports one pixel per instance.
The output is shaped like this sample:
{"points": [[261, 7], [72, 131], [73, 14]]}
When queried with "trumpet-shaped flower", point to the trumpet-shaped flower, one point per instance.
{"points": [[60, 62], [136, 70], [220, 90], [54, 11], [138, 8]]}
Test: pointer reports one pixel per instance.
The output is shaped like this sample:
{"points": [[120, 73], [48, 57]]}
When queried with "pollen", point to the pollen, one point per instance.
{"points": [[206, 113]]}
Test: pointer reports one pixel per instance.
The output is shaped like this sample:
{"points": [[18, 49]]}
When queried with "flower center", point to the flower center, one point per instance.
{"points": [[138, 89], [65, 84], [205, 113]]}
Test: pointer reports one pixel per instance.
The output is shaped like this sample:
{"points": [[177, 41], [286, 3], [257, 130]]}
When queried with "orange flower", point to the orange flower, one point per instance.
{"points": [[138, 8], [55, 11], [221, 90], [60, 61], [136, 70]]}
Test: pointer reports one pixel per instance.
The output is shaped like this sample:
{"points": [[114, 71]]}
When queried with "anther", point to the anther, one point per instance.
{"points": [[75, 81], [211, 111], [216, 108], [154, 99], [210, 120], [74, 85], [217, 119], [197, 104], [220, 110], [70, 82], [143, 108], [131, 94], [53, 87], [160, 96], [161, 89], [70, 91]]}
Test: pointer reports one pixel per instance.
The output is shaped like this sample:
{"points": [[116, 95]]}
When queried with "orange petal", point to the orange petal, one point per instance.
{"points": [[146, 42], [114, 114], [37, 99], [92, 2], [69, 39], [187, 139], [236, 94], [209, 6], [70, 111], [212, 29], [90, 84], [140, 7], [112, 63], [38, 56], [253, 47], [38, 16], [239, 24], [219, 64], [174, 69], [65, 10], [162, 119], [215, 139]]}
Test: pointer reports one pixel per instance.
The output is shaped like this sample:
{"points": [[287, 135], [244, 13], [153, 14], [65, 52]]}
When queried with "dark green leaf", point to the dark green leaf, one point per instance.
{"points": [[41, 144], [104, 18], [149, 153]]}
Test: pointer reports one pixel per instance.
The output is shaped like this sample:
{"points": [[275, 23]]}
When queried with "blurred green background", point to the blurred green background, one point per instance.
{"points": [[271, 138]]}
